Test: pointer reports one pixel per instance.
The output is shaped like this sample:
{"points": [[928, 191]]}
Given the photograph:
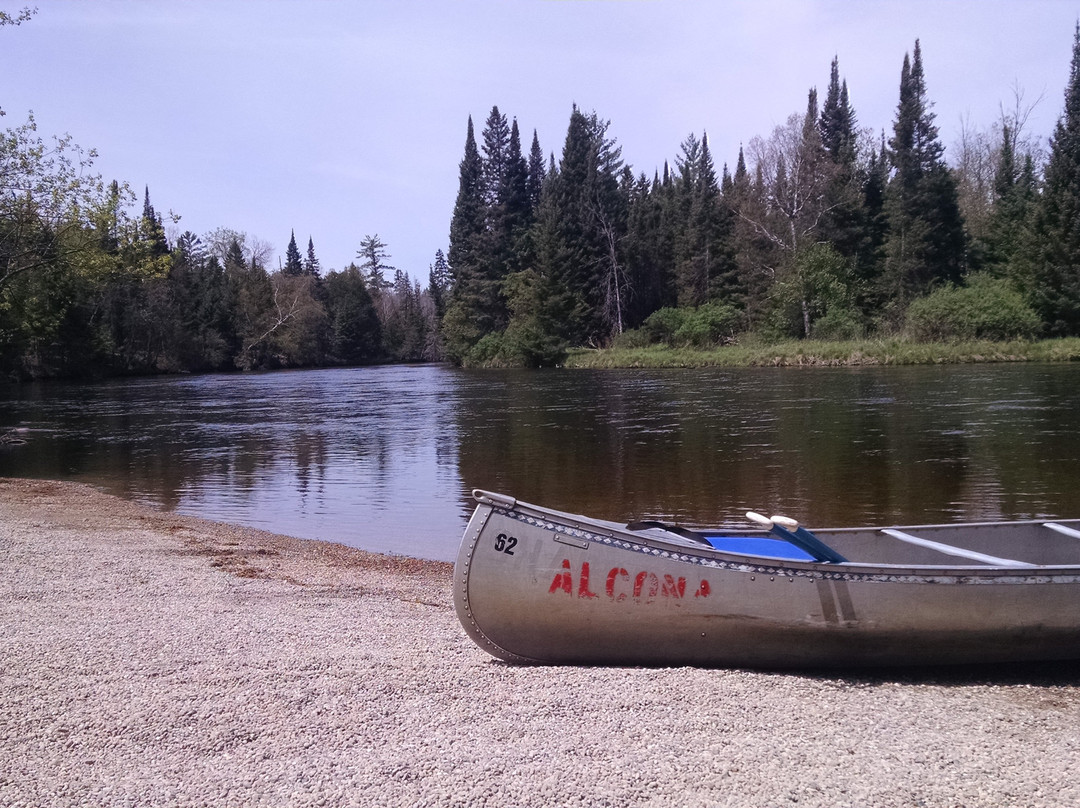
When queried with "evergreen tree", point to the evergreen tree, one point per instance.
{"points": [[838, 121], [1053, 282], [648, 251], [255, 307], [405, 326], [580, 229], [706, 265], [1013, 204], [373, 253], [234, 256], [473, 299], [713, 229], [355, 331], [293, 265], [843, 223], [152, 229], [875, 228], [690, 291], [440, 280], [514, 201], [191, 248], [203, 332], [537, 172], [311, 263], [926, 241], [756, 254], [496, 148], [507, 213]]}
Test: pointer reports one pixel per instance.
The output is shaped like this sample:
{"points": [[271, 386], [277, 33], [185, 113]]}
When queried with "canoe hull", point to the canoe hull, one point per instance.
{"points": [[537, 586]]}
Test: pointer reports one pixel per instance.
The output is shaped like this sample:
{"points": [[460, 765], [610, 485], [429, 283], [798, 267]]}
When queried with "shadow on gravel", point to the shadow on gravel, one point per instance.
{"points": [[1063, 673]]}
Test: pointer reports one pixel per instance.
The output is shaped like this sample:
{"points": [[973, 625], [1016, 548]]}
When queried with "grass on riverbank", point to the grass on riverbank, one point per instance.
{"points": [[820, 353]]}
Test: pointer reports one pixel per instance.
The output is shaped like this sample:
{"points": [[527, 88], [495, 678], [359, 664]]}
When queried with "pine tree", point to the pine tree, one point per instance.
{"points": [[537, 172], [293, 265], [580, 229], [755, 253], [843, 223], [508, 215], [838, 122], [875, 228], [355, 331], [647, 261], [1013, 204], [714, 227], [234, 256], [691, 284], [926, 242], [404, 327], [467, 223], [1053, 285], [706, 265], [152, 229], [514, 200], [496, 148], [373, 254], [473, 299], [440, 281], [311, 263]]}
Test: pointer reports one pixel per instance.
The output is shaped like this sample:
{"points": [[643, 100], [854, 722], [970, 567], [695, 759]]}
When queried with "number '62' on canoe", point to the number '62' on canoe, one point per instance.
{"points": [[535, 585]]}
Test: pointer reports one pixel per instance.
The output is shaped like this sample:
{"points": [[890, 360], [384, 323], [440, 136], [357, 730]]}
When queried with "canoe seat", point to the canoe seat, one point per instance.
{"points": [[1065, 531], [757, 546], [960, 552]]}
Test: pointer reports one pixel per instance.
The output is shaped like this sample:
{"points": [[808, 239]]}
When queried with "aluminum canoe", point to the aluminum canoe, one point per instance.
{"points": [[535, 585]]}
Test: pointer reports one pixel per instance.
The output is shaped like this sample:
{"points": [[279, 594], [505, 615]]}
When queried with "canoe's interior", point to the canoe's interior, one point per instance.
{"points": [[1030, 543]]}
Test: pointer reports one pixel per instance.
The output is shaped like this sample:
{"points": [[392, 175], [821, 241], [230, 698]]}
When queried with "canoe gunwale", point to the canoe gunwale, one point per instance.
{"points": [[698, 555], [668, 546]]}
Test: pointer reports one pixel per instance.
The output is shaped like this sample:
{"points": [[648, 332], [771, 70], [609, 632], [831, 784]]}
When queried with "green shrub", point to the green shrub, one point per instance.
{"points": [[518, 347], [634, 338], [661, 325], [701, 327], [486, 352], [987, 308], [707, 325], [839, 324]]}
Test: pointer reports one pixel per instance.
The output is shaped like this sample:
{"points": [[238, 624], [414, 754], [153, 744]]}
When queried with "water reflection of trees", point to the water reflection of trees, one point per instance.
{"points": [[832, 446], [164, 439]]}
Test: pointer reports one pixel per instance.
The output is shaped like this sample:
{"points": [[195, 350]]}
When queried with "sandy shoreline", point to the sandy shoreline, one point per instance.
{"points": [[154, 659]]}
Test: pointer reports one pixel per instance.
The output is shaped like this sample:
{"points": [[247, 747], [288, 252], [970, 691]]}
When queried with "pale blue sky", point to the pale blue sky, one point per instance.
{"points": [[342, 119]]}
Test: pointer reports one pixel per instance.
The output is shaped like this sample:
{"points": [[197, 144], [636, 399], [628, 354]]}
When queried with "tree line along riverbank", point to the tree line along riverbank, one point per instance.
{"points": [[824, 230]]}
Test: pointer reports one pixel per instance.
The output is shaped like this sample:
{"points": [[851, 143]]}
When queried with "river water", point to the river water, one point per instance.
{"points": [[384, 458]]}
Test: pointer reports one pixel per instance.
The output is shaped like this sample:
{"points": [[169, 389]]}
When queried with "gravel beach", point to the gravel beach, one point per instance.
{"points": [[149, 659]]}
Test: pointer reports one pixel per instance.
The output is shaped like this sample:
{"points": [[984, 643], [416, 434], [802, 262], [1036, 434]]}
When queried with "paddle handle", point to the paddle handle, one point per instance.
{"points": [[788, 529]]}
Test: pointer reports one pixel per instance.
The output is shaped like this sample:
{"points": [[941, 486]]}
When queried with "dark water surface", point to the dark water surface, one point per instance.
{"points": [[384, 458]]}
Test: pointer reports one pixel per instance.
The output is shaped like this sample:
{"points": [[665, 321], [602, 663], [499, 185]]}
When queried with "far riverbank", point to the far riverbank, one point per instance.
{"points": [[801, 353]]}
